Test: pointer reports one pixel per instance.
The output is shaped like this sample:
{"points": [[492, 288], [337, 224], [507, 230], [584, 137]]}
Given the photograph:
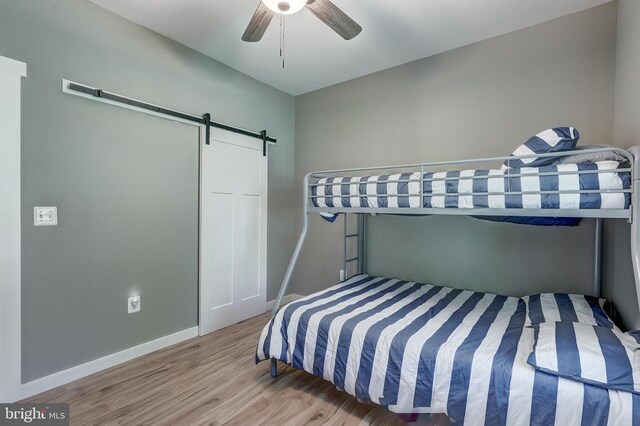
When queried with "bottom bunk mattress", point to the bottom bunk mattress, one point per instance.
{"points": [[419, 348]]}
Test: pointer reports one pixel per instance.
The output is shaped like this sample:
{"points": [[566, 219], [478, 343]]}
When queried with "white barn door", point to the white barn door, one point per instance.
{"points": [[233, 230]]}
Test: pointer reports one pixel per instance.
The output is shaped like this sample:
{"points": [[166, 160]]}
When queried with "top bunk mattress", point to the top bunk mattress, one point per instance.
{"points": [[596, 185]]}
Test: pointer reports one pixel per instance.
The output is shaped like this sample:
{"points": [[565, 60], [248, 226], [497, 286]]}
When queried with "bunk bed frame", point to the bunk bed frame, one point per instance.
{"points": [[631, 214]]}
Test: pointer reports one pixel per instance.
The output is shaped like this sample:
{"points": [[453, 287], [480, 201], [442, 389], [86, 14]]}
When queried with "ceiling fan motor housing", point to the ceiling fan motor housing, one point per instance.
{"points": [[285, 7]]}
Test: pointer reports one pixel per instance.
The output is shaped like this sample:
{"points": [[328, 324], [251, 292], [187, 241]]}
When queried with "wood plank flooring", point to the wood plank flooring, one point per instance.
{"points": [[211, 380]]}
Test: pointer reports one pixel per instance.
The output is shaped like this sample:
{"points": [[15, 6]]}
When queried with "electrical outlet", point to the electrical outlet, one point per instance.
{"points": [[341, 274], [134, 304], [45, 216]]}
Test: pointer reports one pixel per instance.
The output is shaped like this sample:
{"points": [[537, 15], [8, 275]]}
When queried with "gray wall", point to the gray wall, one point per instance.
{"points": [[125, 183], [480, 100], [627, 133]]}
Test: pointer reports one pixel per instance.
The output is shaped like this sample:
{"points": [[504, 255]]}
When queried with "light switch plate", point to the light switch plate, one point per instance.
{"points": [[45, 216]]}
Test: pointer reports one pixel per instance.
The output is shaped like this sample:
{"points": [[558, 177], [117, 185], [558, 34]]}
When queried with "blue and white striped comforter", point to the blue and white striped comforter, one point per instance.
{"points": [[492, 189], [418, 348]]}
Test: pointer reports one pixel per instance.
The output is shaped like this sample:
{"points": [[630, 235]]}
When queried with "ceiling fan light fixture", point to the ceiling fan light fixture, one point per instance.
{"points": [[285, 7]]}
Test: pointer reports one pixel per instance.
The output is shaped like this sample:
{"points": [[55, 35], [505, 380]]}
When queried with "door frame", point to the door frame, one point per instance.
{"points": [[10, 239]]}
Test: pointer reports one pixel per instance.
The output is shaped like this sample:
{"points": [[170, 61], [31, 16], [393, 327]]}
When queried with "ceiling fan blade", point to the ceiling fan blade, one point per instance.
{"points": [[335, 18], [258, 25]]}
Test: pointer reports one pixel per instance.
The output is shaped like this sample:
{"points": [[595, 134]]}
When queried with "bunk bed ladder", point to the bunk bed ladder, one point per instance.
{"points": [[359, 257]]}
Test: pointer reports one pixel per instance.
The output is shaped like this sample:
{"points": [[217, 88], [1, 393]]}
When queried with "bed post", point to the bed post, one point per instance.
{"points": [[292, 263], [597, 259], [298, 249], [635, 224], [361, 242]]}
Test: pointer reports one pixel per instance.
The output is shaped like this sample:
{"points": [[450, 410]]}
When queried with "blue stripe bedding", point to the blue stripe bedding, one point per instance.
{"points": [[605, 357], [493, 189], [419, 348]]}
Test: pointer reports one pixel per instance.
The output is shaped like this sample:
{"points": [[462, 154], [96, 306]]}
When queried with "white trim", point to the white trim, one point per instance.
{"points": [[11, 73], [292, 297], [83, 370], [12, 66], [74, 373]]}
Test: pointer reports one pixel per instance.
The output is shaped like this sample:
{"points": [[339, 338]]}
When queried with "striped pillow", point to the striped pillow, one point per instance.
{"points": [[552, 307], [552, 140], [590, 354]]}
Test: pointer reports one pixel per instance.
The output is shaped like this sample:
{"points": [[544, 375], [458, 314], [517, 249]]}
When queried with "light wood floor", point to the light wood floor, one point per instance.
{"points": [[211, 380]]}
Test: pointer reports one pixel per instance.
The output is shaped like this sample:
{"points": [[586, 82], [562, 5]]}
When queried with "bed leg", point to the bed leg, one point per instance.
{"points": [[274, 368]]}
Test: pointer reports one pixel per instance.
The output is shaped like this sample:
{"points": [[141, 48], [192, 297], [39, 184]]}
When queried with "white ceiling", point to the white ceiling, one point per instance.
{"points": [[395, 32]]}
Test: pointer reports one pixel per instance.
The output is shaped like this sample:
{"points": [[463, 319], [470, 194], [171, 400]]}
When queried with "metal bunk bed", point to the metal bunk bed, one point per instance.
{"points": [[631, 214]]}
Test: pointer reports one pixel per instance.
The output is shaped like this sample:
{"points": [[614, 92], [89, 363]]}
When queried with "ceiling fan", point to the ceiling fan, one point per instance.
{"points": [[326, 11]]}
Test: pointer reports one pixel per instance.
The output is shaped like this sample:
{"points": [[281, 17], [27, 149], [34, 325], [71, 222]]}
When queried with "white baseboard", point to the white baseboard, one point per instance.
{"points": [[60, 378], [287, 299], [74, 373]]}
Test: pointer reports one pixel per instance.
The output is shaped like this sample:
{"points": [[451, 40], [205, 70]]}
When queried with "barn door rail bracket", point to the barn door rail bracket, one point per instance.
{"points": [[207, 127], [89, 92], [264, 142]]}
